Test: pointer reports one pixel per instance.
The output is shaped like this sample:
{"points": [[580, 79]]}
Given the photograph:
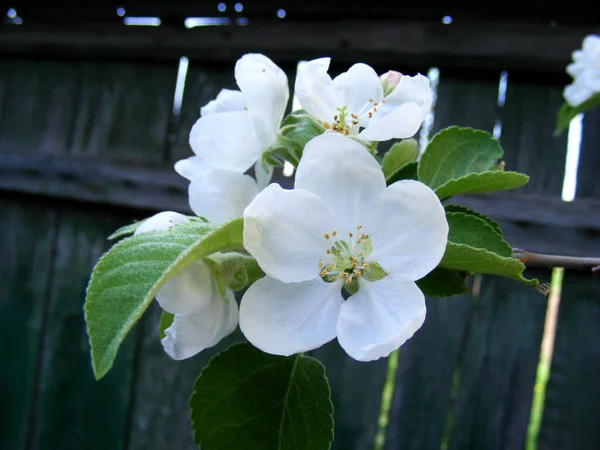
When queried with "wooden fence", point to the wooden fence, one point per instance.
{"points": [[88, 137]]}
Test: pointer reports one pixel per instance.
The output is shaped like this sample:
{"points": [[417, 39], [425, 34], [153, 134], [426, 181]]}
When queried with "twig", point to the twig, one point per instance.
{"points": [[531, 259]]}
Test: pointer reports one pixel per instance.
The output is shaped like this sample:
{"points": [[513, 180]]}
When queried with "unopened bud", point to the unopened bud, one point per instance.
{"points": [[389, 81]]}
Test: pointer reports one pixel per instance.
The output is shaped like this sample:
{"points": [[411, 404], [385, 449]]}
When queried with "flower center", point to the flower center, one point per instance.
{"points": [[346, 258], [348, 123]]}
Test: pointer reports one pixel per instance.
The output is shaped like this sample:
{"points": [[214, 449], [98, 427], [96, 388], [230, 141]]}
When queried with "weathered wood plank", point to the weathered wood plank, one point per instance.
{"points": [[572, 394], [162, 388], [424, 382], [73, 410], [536, 47], [26, 251], [497, 366]]}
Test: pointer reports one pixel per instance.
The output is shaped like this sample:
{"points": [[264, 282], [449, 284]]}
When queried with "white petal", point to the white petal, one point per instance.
{"points": [[344, 174], [316, 92], [161, 221], [408, 230], [190, 291], [190, 334], [227, 100], [380, 317], [576, 93], [219, 195], [402, 123], [591, 44], [361, 87], [403, 111], [284, 231], [287, 318], [226, 141], [190, 167], [266, 91]]}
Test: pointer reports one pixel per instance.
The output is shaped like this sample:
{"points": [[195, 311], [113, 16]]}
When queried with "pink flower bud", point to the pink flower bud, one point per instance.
{"points": [[389, 81]]}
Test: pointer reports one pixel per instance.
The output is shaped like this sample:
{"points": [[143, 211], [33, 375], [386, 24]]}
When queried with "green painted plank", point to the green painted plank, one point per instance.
{"points": [[123, 110], [424, 383], [28, 232], [162, 389], [570, 419], [73, 410]]}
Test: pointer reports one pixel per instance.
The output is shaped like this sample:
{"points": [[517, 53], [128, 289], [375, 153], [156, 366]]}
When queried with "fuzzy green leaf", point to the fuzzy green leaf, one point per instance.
{"points": [[465, 210], [246, 400], [127, 277], [399, 155], [566, 113], [443, 283], [166, 319], [482, 182], [456, 152], [235, 270], [296, 130]]}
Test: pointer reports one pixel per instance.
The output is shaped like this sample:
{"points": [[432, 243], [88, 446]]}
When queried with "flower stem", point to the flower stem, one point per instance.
{"points": [[386, 400], [531, 259]]}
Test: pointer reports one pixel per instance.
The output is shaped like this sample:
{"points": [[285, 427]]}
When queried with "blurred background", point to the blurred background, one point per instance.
{"points": [[96, 103]]}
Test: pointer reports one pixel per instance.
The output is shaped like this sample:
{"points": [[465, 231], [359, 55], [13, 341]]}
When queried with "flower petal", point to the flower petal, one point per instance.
{"points": [[263, 177], [576, 93], [316, 92], [189, 291], [380, 317], [190, 167], [190, 334], [266, 91], [226, 141], [227, 100], [161, 222], [403, 112], [284, 231], [220, 195], [287, 318], [361, 87], [343, 173], [408, 230]]}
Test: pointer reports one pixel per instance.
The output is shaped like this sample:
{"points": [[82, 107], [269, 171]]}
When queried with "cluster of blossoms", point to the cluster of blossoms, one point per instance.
{"points": [[585, 70], [340, 229]]}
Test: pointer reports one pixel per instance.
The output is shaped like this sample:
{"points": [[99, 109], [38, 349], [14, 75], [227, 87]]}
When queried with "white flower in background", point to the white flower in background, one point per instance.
{"points": [[358, 99], [340, 226], [231, 135], [585, 70], [202, 316]]}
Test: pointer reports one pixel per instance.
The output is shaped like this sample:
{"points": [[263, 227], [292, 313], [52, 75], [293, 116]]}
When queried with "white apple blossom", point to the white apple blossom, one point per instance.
{"points": [[232, 133], [340, 226], [585, 70], [201, 316], [355, 100]]}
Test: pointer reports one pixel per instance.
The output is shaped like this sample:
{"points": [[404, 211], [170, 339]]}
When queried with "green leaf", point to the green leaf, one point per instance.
{"points": [[456, 152], [474, 246], [399, 155], [406, 172], [482, 182], [246, 400], [127, 229], [166, 319], [296, 130], [443, 283], [127, 277], [566, 113], [234, 270], [465, 210]]}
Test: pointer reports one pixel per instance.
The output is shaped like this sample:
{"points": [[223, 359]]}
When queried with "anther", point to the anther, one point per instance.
{"points": [[335, 118], [365, 266], [371, 100], [326, 125], [321, 264], [334, 233], [383, 101], [326, 236], [370, 114], [363, 236], [350, 234], [328, 251], [359, 227], [334, 278], [357, 272], [323, 273], [354, 116]]}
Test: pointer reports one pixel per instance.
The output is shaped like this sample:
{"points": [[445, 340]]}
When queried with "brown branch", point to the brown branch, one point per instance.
{"points": [[531, 259]]}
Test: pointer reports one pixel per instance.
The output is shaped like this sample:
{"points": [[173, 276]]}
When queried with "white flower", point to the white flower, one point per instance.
{"points": [[355, 100], [337, 227], [585, 70], [231, 135], [202, 316]]}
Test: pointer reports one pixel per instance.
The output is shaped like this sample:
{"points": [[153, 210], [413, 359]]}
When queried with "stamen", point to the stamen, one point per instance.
{"points": [[326, 125], [326, 236], [350, 234], [328, 251], [334, 233], [323, 273], [321, 264]]}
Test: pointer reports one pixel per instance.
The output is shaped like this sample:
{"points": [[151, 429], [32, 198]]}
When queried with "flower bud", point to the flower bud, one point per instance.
{"points": [[389, 81]]}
